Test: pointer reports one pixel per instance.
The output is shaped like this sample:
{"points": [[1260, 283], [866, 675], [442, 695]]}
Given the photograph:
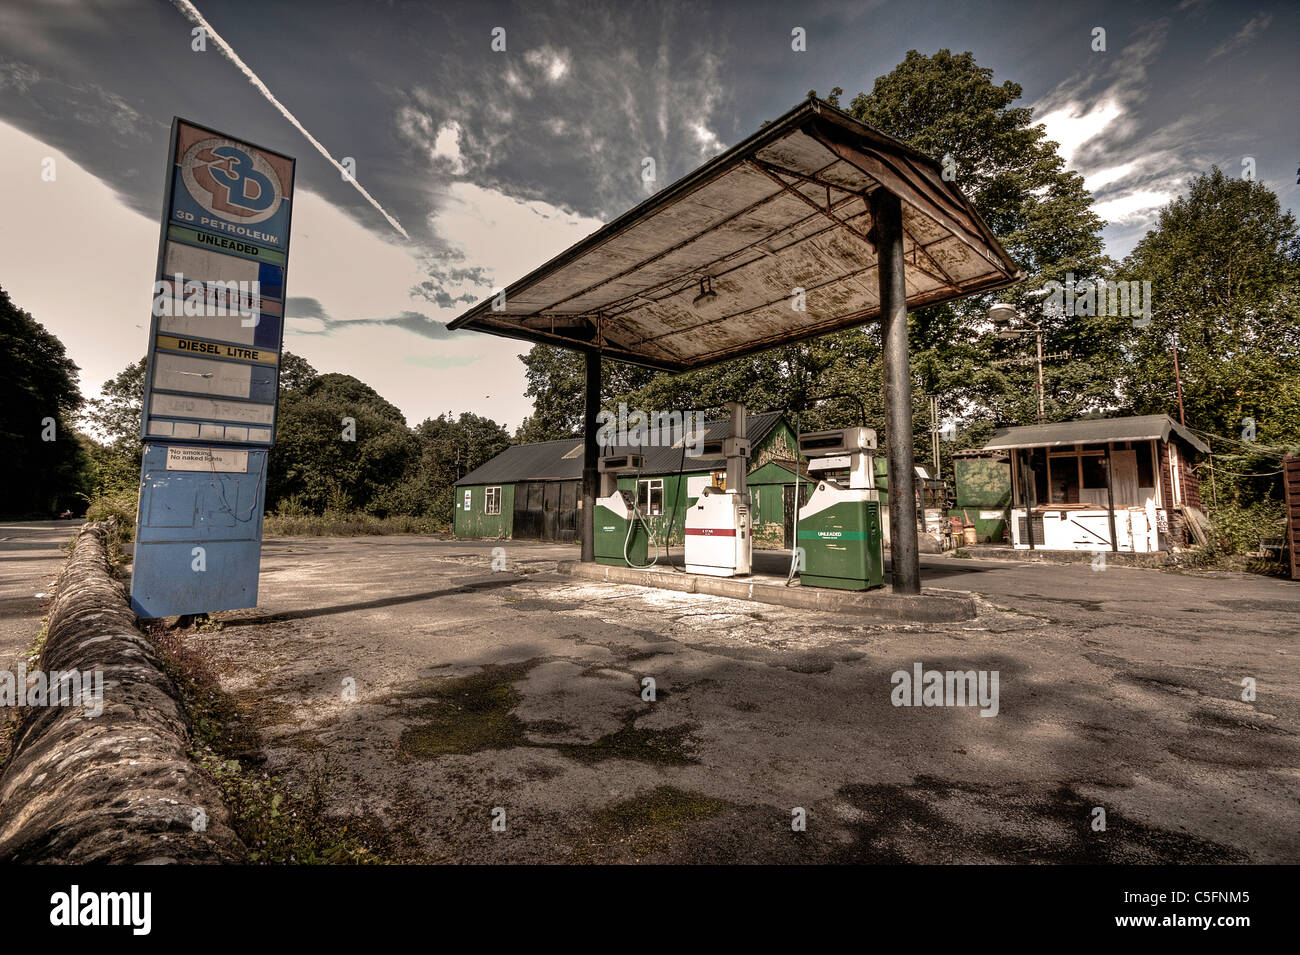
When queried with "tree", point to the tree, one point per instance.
{"points": [[449, 448], [45, 463], [115, 418], [339, 445], [296, 373], [1224, 266], [949, 108], [556, 381]]}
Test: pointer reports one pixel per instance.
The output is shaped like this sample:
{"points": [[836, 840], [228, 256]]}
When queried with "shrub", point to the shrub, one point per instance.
{"points": [[1238, 528]]}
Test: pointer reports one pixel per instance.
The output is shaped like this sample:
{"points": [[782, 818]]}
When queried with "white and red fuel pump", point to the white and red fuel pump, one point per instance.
{"points": [[719, 529]]}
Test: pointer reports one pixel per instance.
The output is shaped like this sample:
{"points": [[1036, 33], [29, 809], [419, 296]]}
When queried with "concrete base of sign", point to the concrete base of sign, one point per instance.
{"points": [[872, 605]]}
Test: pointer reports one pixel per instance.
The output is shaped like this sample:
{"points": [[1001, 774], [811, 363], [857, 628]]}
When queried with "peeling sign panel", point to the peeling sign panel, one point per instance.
{"points": [[769, 243]]}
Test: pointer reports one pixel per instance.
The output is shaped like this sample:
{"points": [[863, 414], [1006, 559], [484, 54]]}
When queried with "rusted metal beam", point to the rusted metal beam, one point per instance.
{"points": [[753, 308], [690, 277], [881, 170], [804, 199]]}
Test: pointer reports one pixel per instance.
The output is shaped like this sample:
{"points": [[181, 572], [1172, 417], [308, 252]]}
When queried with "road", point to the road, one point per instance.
{"points": [[31, 558], [521, 690], [1119, 692]]}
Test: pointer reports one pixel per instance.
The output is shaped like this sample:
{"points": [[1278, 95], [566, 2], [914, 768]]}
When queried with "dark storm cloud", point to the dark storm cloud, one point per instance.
{"points": [[584, 93]]}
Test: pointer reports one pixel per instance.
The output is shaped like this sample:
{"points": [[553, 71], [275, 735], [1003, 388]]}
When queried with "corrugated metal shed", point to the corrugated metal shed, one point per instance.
{"points": [[1150, 427], [786, 208], [562, 460]]}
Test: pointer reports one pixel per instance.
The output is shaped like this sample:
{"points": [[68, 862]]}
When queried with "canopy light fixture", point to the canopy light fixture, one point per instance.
{"points": [[706, 291], [1002, 314]]}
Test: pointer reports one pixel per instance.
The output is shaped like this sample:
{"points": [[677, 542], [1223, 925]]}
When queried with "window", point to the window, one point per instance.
{"points": [[1094, 472], [1146, 464], [1176, 484], [492, 501], [650, 497]]}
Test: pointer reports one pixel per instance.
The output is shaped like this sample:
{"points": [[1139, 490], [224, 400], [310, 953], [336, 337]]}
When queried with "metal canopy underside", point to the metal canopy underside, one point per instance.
{"points": [[785, 209]]}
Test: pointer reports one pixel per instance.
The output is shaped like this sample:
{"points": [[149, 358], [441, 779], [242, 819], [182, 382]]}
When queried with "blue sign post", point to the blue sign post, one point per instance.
{"points": [[212, 374]]}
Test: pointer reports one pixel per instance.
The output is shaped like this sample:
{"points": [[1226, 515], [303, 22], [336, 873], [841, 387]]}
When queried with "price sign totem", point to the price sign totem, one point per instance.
{"points": [[212, 374]]}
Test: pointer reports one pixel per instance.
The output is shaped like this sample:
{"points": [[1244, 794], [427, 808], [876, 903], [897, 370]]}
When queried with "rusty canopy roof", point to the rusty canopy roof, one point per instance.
{"points": [[785, 209]]}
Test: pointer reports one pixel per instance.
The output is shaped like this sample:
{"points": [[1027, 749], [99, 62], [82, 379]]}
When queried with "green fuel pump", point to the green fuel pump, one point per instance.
{"points": [[839, 528], [622, 536]]}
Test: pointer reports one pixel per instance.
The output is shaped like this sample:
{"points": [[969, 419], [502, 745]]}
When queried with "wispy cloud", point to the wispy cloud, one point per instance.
{"points": [[311, 318], [1099, 121], [1254, 26], [192, 14]]}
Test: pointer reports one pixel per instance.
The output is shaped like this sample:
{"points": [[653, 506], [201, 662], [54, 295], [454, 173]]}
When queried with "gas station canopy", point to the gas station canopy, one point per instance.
{"points": [[710, 267]]}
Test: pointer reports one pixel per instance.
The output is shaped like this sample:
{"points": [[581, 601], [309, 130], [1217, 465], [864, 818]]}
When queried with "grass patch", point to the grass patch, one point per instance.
{"points": [[666, 747], [341, 524], [467, 714], [646, 824], [279, 825], [117, 512], [473, 713]]}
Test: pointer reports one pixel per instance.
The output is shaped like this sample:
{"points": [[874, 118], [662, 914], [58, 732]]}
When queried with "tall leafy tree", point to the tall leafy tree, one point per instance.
{"points": [[449, 448], [44, 461], [951, 109], [114, 422], [339, 444], [556, 381], [1224, 266]]}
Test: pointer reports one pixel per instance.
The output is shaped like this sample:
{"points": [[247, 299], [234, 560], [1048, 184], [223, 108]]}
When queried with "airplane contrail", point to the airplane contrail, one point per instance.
{"points": [[191, 13]]}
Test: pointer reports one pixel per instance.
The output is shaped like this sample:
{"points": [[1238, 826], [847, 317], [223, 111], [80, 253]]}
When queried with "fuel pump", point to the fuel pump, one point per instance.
{"points": [[719, 541], [839, 528], [621, 532]]}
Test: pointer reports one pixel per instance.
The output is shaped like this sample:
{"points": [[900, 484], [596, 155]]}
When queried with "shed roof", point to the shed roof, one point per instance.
{"points": [[1094, 431], [786, 208], [562, 460]]}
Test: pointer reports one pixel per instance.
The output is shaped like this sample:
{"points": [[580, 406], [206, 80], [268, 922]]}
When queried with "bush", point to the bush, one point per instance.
{"points": [[121, 506], [1238, 528]]}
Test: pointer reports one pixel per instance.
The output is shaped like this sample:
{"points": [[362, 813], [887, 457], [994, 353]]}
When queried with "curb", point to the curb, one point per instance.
{"points": [[879, 605]]}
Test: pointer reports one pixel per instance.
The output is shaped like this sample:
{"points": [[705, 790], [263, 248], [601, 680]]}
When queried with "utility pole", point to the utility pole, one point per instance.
{"points": [[1038, 335], [934, 432], [1002, 316], [1178, 381]]}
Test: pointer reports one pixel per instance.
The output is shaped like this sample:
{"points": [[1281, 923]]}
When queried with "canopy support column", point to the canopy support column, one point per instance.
{"points": [[905, 562], [590, 458]]}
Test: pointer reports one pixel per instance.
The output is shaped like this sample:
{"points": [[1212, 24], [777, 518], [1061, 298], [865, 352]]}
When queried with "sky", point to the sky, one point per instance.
{"points": [[474, 165]]}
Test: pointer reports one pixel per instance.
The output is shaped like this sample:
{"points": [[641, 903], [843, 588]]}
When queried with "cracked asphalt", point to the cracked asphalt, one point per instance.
{"points": [[419, 691], [523, 691]]}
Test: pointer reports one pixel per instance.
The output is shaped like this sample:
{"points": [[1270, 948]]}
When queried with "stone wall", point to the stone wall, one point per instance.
{"points": [[117, 787]]}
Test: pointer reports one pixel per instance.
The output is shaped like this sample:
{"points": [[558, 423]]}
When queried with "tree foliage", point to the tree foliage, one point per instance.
{"points": [[44, 459]]}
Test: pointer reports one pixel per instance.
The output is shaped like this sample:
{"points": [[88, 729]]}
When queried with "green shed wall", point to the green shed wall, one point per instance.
{"points": [[474, 524]]}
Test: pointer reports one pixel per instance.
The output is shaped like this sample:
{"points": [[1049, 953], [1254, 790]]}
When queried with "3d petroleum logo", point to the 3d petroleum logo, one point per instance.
{"points": [[229, 182]]}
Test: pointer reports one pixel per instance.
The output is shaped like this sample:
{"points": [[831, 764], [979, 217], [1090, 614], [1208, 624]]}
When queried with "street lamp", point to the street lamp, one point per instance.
{"points": [[1002, 315]]}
